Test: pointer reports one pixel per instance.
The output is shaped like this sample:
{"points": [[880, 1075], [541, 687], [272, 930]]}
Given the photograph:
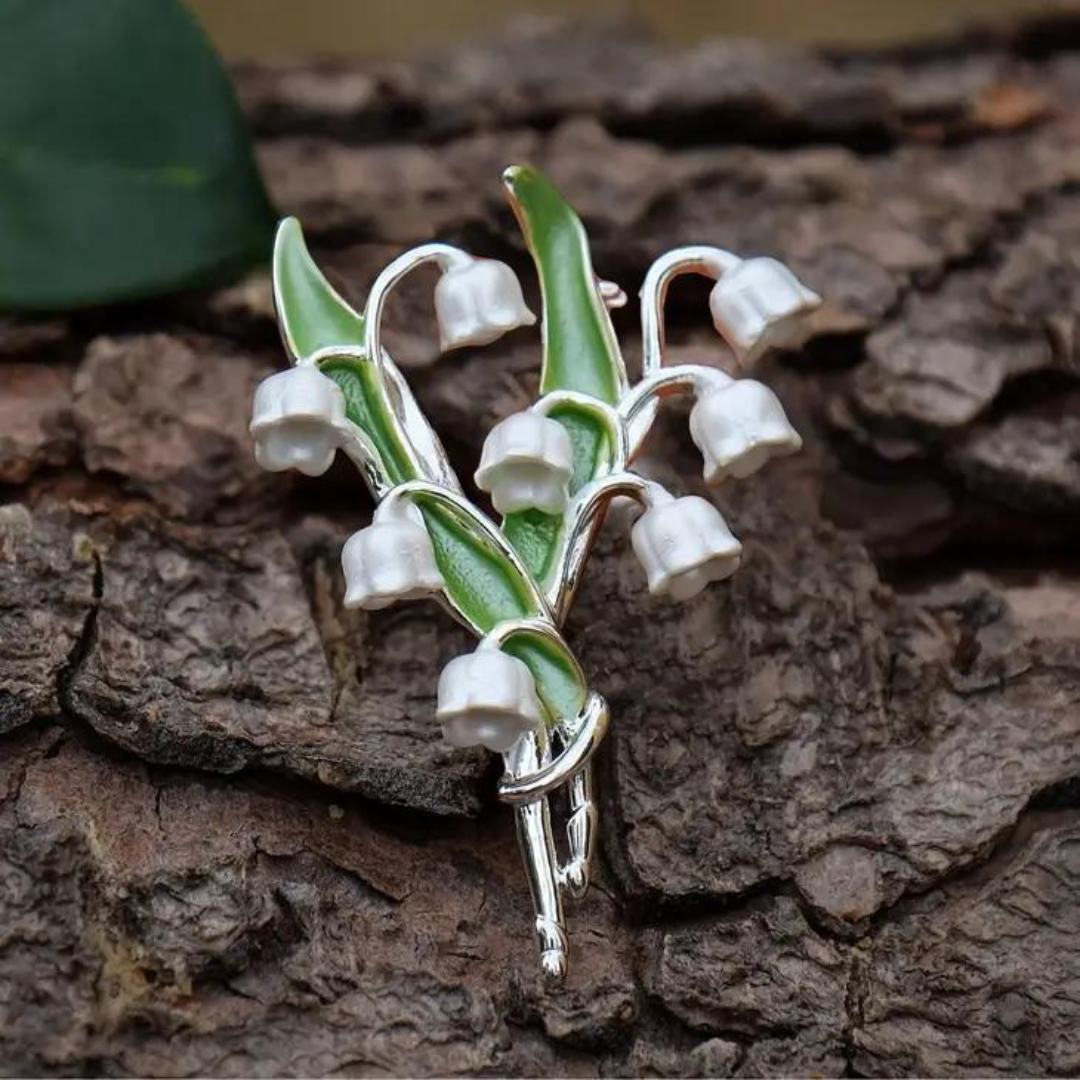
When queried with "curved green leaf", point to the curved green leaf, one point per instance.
{"points": [[580, 349], [311, 313], [125, 165]]}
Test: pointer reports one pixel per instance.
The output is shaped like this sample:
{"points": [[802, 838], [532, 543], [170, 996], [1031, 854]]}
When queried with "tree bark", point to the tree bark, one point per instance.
{"points": [[839, 804]]}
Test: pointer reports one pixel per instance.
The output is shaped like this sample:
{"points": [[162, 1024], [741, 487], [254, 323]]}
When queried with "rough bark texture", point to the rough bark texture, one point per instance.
{"points": [[840, 801]]}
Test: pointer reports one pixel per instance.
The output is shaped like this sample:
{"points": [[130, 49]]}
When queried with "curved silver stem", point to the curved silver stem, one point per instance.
{"points": [[444, 256], [711, 262], [639, 407], [609, 414], [583, 515], [423, 444]]}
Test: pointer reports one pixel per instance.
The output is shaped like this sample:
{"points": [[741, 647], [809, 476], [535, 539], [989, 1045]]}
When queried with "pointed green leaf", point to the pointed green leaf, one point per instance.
{"points": [[126, 168], [311, 313], [580, 349]]}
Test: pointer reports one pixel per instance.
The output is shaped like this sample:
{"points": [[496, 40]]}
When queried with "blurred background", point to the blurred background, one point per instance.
{"points": [[268, 28]]}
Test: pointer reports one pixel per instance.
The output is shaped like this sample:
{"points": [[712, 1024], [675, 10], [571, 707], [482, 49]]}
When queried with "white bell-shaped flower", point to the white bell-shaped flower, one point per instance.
{"points": [[392, 559], [758, 305], [738, 428], [487, 698], [294, 421], [526, 463], [477, 302], [684, 544]]}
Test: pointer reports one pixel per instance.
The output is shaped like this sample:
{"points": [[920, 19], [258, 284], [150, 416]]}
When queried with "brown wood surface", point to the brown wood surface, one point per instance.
{"points": [[840, 828]]}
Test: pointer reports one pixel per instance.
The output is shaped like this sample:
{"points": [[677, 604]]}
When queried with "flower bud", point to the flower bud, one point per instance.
{"points": [[526, 463], [738, 428], [758, 305], [478, 302], [487, 698], [683, 545], [392, 559], [293, 421]]}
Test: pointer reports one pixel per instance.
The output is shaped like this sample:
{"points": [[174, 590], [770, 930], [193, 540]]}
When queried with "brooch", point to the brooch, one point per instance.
{"points": [[550, 473]]}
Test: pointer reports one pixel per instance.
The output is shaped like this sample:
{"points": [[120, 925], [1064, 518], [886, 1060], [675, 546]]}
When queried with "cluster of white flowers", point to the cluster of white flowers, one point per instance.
{"points": [[488, 698]]}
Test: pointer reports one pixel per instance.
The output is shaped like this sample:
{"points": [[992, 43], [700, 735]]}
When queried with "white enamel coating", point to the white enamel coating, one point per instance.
{"points": [[392, 559], [738, 428], [526, 463], [477, 302], [683, 545], [487, 698], [758, 305], [295, 421]]}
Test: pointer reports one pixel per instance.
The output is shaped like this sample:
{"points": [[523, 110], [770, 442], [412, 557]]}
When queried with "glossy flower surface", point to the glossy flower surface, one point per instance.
{"points": [[478, 302], [738, 428], [487, 698], [683, 545], [392, 559], [294, 421], [526, 462], [759, 305]]}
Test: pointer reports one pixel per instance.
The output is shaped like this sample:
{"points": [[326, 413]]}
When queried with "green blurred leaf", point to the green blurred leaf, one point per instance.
{"points": [[126, 169], [581, 351]]}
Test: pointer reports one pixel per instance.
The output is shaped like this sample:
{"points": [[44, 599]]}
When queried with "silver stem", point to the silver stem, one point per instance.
{"points": [[541, 863], [583, 514], [424, 447], [638, 407], [711, 262], [444, 256]]}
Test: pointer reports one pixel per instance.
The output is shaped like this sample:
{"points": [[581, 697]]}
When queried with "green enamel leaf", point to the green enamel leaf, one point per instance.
{"points": [[312, 314], [126, 168], [580, 349]]}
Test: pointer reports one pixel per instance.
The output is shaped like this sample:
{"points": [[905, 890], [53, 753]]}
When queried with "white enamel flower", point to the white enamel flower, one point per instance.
{"points": [[294, 421], [392, 559], [758, 305], [738, 428], [477, 302], [526, 462], [487, 698], [684, 544]]}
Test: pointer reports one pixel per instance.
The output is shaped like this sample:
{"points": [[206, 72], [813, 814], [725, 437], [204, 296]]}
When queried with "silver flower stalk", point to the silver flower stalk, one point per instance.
{"points": [[551, 471]]}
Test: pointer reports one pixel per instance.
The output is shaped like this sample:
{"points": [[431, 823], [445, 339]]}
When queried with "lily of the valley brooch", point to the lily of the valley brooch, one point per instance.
{"points": [[550, 471]]}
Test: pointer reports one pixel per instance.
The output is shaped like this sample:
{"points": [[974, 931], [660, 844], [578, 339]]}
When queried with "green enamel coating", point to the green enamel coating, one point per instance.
{"points": [[580, 349], [367, 407], [311, 313], [535, 536], [558, 679]]}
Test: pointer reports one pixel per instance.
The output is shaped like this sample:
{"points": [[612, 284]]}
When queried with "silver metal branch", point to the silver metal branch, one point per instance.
{"points": [[711, 262], [583, 515]]}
